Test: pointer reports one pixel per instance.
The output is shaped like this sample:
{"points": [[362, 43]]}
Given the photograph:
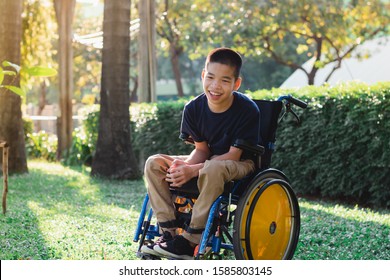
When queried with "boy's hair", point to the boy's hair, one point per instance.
{"points": [[226, 56]]}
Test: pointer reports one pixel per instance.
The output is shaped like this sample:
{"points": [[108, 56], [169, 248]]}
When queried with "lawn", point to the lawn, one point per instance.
{"points": [[58, 212]]}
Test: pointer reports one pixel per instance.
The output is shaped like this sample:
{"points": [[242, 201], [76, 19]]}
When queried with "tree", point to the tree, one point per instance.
{"points": [[168, 28], [114, 156], [146, 52], [11, 125], [189, 29], [64, 11], [87, 57], [327, 31], [282, 30]]}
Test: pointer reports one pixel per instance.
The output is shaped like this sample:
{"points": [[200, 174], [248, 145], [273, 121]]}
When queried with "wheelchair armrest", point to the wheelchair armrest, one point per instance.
{"points": [[248, 147]]}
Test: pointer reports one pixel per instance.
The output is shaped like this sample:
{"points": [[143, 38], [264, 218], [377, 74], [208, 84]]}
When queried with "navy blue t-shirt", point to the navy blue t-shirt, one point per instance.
{"points": [[221, 130]]}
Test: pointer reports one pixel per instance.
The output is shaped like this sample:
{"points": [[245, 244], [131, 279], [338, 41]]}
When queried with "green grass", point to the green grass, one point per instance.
{"points": [[57, 212], [336, 232]]}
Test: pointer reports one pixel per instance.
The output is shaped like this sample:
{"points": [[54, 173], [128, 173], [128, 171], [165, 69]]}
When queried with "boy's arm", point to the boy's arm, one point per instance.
{"points": [[233, 154], [200, 154]]}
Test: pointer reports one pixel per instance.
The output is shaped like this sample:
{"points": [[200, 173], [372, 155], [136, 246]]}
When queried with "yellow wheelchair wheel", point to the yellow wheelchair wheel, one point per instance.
{"points": [[267, 219]]}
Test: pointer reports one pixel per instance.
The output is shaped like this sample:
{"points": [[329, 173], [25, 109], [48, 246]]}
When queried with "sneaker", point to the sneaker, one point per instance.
{"points": [[148, 248], [177, 248]]}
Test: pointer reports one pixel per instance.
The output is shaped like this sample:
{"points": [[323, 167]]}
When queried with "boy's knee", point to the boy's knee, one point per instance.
{"points": [[151, 159], [152, 162]]}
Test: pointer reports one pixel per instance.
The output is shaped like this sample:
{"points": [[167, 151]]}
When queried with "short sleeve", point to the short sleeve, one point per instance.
{"points": [[189, 127]]}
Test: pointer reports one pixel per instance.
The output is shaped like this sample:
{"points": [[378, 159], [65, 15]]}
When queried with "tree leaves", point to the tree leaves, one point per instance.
{"points": [[287, 30], [36, 71], [16, 90], [40, 71]]}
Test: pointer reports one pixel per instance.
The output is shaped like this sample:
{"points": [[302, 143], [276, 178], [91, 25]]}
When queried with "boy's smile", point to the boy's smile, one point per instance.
{"points": [[218, 84]]}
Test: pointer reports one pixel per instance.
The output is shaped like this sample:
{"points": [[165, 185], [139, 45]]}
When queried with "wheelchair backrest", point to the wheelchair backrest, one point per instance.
{"points": [[269, 114]]}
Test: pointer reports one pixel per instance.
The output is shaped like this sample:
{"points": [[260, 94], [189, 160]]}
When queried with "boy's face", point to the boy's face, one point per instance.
{"points": [[218, 84]]}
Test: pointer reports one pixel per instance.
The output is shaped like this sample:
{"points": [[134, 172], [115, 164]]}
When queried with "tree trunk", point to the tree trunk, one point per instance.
{"points": [[114, 156], [175, 53], [41, 102], [133, 91], [64, 12], [11, 124], [311, 76], [147, 52]]}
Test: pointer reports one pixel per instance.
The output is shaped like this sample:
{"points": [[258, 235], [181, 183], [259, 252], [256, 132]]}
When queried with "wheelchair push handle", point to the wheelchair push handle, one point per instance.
{"points": [[293, 100], [289, 99]]}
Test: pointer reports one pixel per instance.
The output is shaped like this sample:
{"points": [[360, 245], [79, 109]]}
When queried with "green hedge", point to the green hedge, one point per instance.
{"points": [[40, 145], [155, 129], [341, 149]]}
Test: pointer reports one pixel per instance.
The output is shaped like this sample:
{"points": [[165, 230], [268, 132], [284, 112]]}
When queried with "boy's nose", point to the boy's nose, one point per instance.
{"points": [[216, 84]]}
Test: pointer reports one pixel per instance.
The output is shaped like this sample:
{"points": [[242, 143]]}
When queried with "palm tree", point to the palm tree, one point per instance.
{"points": [[114, 156], [11, 124]]}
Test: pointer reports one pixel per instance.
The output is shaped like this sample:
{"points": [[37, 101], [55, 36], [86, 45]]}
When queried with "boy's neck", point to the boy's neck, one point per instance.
{"points": [[220, 108]]}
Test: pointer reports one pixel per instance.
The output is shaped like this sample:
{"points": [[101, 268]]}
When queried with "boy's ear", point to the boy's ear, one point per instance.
{"points": [[237, 83], [203, 72]]}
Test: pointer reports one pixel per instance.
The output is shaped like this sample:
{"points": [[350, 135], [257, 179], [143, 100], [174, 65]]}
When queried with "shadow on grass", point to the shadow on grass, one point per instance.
{"points": [[21, 238], [20, 235]]}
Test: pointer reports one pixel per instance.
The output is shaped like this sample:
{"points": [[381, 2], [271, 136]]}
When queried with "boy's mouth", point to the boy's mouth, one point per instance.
{"points": [[215, 93]]}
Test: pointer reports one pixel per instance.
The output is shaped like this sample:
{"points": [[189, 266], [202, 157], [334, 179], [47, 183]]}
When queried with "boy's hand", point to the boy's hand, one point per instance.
{"points": [[179, 173]]}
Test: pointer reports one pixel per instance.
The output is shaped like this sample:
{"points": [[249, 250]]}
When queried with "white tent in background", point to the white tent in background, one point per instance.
{"points": [[375, 68]]}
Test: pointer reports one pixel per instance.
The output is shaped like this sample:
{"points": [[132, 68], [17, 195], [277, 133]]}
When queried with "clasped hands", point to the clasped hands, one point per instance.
{"points": [[179, 173]]}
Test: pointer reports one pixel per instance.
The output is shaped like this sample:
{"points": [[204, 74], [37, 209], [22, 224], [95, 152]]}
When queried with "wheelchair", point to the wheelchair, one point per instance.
{"points": [[256, 218]]}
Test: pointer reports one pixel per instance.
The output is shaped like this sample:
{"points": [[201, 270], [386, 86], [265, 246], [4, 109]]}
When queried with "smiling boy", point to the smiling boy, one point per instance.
{"points": [[214, 120]]}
